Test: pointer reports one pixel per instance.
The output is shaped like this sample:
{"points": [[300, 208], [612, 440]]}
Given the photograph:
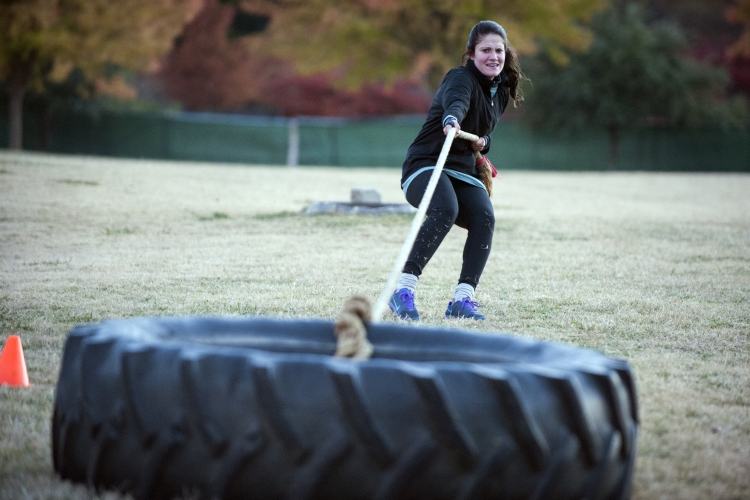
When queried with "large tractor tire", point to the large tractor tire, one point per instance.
{"points": [[258, 408]]}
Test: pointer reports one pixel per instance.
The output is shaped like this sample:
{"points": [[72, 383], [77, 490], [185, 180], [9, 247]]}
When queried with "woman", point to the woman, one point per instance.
{"points": [[471, 97]]}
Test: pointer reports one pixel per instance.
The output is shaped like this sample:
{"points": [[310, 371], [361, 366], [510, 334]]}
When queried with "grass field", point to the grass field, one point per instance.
{"points": [[654, 268]]}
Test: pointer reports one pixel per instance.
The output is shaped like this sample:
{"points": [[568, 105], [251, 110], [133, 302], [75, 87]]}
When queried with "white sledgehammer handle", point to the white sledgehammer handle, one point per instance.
{"points": [[416, 223]]}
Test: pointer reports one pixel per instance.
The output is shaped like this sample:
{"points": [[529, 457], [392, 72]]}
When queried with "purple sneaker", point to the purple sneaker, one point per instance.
{"points": [[465, 308], [402, 304]]}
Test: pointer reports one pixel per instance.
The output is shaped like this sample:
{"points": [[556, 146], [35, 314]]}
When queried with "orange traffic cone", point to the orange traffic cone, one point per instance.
{"points": [[12, 364]]}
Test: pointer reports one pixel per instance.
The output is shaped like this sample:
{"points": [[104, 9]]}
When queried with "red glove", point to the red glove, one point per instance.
{"points": [[484, 159]]}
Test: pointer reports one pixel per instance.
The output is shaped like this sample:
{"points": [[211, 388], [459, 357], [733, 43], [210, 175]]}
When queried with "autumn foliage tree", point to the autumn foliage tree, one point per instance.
{"points": [[388, 40], [739, 13], [738, 53], [212, 68], [215, 65], [344, 57], [43, 40], [317, 95]]}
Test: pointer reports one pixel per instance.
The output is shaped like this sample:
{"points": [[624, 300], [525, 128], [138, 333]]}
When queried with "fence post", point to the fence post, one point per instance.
{"points": [[292, 154], [333, 136], [166, 135]]}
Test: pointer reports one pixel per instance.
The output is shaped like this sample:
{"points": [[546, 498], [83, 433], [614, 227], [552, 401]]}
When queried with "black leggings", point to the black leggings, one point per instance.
{"points": [[454, 202]]}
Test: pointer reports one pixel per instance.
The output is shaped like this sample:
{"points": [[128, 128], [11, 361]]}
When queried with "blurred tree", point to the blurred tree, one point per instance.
{"points": [[44, 40], [711, 29], [221, 62], [314, 95], [217, 62], [632, 75], [739, 13], [738, 53], [388, 40]]}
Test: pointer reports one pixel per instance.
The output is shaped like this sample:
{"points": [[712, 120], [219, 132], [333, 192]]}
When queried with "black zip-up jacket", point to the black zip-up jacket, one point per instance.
{"points": [[465, 93]]}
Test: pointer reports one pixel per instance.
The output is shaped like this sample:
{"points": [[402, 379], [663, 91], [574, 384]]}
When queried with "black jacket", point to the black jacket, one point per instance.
{"points": [[466, 94]]}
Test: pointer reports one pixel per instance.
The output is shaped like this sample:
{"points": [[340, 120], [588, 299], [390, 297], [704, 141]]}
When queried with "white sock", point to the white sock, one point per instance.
{"points": [[408, 281], [463, 290]]}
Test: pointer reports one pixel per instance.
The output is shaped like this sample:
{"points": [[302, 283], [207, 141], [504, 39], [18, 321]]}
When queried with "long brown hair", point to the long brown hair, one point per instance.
{"points": [[511, 68]]}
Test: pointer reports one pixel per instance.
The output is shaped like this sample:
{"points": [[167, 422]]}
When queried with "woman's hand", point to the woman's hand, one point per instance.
{"points": [[479, 145], [450, 125]]}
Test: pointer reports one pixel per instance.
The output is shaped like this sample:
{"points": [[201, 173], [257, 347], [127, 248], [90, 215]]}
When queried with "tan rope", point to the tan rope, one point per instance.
{"points": [[351, 334]]}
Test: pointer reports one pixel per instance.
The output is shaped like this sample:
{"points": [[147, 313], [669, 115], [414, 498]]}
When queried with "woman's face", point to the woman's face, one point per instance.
{"points": [[489, 55]]}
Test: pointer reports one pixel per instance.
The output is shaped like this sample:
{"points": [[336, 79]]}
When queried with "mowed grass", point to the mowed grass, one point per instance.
{"points": [[650, 267]]}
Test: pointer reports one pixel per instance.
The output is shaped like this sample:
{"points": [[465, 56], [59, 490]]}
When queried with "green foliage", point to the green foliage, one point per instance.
{"points": [[633, 74], [385, 40]]}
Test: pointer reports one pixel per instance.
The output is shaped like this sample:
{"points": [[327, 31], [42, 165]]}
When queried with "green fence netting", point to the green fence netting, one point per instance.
{"points": [[213, 137]]}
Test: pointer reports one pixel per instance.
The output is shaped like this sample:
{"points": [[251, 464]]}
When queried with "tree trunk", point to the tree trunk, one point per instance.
{"points": [[614, 146], [19, 78], [16, 93]]}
